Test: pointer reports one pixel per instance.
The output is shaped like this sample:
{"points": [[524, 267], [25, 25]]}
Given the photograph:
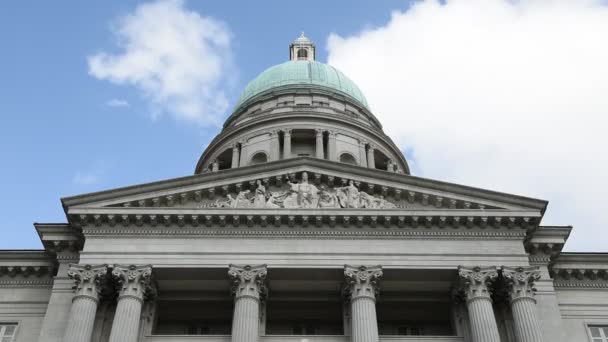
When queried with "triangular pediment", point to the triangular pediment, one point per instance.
{"points": [[307, 185]]}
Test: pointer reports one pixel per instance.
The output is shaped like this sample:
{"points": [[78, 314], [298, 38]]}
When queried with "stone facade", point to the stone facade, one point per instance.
{"points": [[279, 237]]}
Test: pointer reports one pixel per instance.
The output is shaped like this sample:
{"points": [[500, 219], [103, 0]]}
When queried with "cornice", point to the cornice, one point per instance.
{"points": [[494, 220], [305, 164]]}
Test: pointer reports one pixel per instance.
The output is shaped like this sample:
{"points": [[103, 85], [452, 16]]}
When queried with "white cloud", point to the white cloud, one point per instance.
{"points": [[506, 95], [117, 103], [178, 59]]}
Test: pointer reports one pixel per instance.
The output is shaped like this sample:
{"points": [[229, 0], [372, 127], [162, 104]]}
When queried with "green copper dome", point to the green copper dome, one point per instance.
{"points": [[305, 73]]}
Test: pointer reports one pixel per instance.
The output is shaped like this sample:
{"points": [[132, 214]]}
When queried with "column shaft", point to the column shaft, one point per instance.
{"points": [[483, 322], [275, 149], [331, 148], [125, 327], [362, 154], [246, 321], [525, 320], [82, 320], [371, 161], [319, 145], [287, 144], [364, 324], [235, 156]]}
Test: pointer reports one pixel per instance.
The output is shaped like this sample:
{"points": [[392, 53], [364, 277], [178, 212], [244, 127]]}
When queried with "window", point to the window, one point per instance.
{"points": [[599, 333], [7, 331], [302, 54], [259, 158], [348, 158]]}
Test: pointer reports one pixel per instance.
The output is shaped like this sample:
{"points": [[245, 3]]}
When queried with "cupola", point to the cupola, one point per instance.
{"points": [[302, 49]]}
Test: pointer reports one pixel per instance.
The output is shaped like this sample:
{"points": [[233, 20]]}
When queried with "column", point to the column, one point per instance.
{"points": [[362, 154], [134, 284], [331, 146], [286, 144], [520, 282], [88, 281], [275, 149], [243, 155], [362, 290], [477, 283], [235, 156], [248, 289], [319, 144], [371, 161]]}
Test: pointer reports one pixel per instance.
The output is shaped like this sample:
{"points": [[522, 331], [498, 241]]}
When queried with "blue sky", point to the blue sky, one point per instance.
{"points": [[499, 94], [58, 136]]}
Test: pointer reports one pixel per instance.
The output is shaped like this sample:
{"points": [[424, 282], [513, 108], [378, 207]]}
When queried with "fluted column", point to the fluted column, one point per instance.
{"points": [[331, 146], [319, 144], [477, 283], [236, 156], [371, 160], [286, 144], [362, 290], [520, 281], [84, 305], [249, 289], [134, 282]]}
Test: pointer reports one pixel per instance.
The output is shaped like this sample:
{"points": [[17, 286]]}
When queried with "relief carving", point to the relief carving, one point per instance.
{"points": [[304, 195]]}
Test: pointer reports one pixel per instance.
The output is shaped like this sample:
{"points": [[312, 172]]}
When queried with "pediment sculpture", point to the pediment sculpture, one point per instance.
{"points": [[305, 195]]}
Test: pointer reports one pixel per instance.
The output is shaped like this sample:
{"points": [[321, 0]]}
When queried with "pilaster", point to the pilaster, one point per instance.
{"points": [[362, 288], [286, 143], [248, 288], [371, 160]]}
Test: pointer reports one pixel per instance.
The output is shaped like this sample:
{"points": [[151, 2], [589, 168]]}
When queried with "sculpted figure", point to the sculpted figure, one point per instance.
{"points": [[273, 201], [390, 166], [241, 200], [350, 198], [366, 201], [306, 194], [259, 200], [328, 199]]}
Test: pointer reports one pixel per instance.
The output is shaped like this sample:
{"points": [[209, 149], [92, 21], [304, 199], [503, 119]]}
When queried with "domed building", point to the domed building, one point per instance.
{"points": [[302, 222], [302, 108]]}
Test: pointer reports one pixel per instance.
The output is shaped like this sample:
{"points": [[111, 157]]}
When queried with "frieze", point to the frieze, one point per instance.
{"points": [[339, 232], [304, 195]]}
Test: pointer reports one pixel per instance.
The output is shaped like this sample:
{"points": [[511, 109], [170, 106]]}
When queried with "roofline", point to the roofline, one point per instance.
{"points": [[307, 161]]}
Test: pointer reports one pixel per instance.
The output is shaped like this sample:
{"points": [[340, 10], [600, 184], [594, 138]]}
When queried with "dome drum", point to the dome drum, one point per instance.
{"points": [[301, 137]]}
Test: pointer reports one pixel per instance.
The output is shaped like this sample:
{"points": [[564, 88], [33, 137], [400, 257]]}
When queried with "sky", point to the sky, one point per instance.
{"points": [[499, 94]]}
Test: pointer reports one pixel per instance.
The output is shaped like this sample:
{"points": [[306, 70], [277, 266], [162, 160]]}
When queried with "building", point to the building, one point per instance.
{"points": [[302, 223]]}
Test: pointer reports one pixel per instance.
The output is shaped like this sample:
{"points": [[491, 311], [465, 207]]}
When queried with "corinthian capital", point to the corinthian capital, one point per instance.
{"points": [[88, 279], [520, 281], [248, 281], [134, 281], [477, 281], [362, 281]]}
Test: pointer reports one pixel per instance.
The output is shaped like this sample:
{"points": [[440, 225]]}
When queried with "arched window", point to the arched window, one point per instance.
{"points": [[348, 158], [258, 158], [302, 54]]}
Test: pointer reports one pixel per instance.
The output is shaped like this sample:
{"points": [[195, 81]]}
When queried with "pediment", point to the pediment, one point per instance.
{"points": [[303, 184]]}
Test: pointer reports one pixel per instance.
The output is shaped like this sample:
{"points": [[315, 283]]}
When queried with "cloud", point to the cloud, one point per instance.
{"points": [[505, 95], [176, 58], [117, 103]]}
